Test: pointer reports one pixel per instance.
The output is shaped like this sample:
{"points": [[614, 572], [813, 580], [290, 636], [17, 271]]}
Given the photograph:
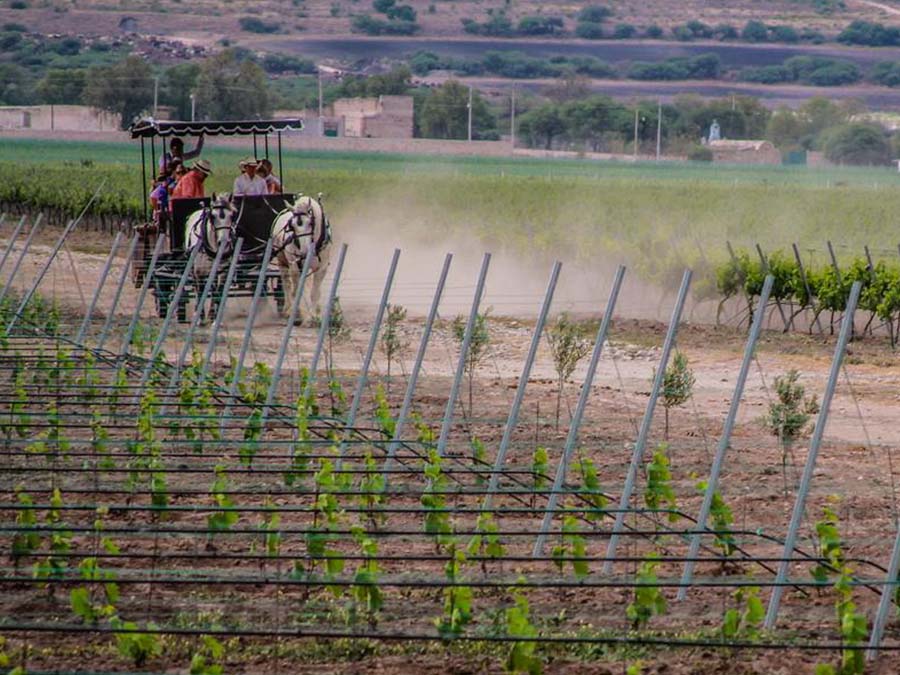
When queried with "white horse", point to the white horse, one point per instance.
{"points": [[302, 229], [210, 228]]}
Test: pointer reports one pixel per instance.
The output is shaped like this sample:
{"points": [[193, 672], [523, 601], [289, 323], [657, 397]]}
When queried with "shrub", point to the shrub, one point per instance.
{"points": [[68, 46], [887, 73], [857, 143], [285, 63], [767, 74], [623, 31], [682, 33], [725, 31], [10, 41], [253, 25], [541, 25], [498, 25], [423, 63], [812, 35], [588, 30], [699, 29], [703, 67], [783, 34], [371, 26], [755, 31], [402, 13], [18, 4], [653, 32], [823, 72], [383, 5], [594, 14], [15, 28], [700, 153], [869, 33]]}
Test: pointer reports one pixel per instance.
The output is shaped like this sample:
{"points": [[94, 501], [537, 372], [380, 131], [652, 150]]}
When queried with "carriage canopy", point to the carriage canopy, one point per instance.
{"points": [[151, 128]]}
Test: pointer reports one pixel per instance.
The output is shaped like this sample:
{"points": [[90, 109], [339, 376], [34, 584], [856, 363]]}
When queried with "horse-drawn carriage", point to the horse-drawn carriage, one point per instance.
{"points": [[296, 224]]}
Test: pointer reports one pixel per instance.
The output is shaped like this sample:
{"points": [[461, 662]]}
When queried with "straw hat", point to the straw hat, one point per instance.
{"points": [[203, 166], [247, 161]]}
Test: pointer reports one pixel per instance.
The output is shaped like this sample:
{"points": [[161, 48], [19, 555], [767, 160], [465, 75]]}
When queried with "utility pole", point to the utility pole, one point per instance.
{"points": [[469, 106], [321, 107], [658, 129], [193, 107], [636, 113], [156, 96], [512, 118]]}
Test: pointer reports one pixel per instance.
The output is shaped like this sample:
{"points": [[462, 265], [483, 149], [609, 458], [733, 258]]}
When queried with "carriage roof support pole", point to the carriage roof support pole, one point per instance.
{"points": [[254, 146], [286, 338], [463, 354], [417, 367], [136, 315], [153, 159], [575, 424], [367, 360], [644, 433], [266, 139], [248, 332], [105, 273], [725, 440], [172, 310], [220, 310], [146, 210], [280, 168], [198, 314], [814, 445], [325, 321], [22, 253], [884, 604], [12, 240], [122, 278], [513, 418], [40, 276]]}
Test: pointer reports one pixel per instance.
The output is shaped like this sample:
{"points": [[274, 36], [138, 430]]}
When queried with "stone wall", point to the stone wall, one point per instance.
{"points": [[57, 118]]}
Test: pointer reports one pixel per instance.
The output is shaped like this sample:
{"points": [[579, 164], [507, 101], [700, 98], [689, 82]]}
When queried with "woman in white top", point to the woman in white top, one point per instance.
{"points": [[248, 184]]}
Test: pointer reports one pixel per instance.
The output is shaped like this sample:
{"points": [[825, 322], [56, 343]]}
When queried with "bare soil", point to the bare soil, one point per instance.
{"points": [[856, 463]]}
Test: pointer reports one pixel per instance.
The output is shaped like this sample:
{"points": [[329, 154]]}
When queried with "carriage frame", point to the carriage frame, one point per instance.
{"points": [[253, 224]]}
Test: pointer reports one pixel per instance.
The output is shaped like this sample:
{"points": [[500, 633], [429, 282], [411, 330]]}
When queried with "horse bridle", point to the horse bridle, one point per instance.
{"points": [[204, 217]]}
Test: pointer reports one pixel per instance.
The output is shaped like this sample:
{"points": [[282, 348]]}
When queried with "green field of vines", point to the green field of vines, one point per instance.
{"points": [[659, 219], [818, 289]]}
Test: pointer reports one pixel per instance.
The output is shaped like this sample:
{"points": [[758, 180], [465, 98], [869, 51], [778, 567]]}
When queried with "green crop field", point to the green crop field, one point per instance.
{"points": [[656, 217]]}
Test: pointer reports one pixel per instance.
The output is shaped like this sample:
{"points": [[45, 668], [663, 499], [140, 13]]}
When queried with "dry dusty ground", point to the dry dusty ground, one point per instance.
{"points": [[856, 464]]}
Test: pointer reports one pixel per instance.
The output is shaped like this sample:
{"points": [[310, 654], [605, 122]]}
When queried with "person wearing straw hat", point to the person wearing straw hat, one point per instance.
{"points": [[248, 184], [191, 184]]}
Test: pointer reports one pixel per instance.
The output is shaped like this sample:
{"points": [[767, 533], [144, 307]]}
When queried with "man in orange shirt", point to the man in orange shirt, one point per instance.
{"points": [[191, 184]]}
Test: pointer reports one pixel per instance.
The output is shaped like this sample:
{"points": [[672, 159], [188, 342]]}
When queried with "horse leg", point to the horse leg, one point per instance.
{"points": [[284, 267]]}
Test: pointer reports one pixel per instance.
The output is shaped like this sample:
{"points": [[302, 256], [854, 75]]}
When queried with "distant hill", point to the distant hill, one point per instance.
{"points": [[245, 21]]}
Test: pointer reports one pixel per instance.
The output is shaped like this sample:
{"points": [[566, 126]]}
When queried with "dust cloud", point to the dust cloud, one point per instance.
{"points": [[516, 282]]}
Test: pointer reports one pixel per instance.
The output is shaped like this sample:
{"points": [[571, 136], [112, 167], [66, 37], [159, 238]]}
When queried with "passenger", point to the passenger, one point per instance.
{"points": [[159, 200], [248, 184], [191, 184], [265, 171], [176, 151], [178, 172]]}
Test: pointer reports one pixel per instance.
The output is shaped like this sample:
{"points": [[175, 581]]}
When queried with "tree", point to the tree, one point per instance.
{"points": [[445, 114], [569, 343], [178, 83], [678, 385], [544, 123], [594, 13], [789, 417], [13, 84], [124, 88], [478, 345], [755, 31], [857, 143], [60, 86], [229, 88]]}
